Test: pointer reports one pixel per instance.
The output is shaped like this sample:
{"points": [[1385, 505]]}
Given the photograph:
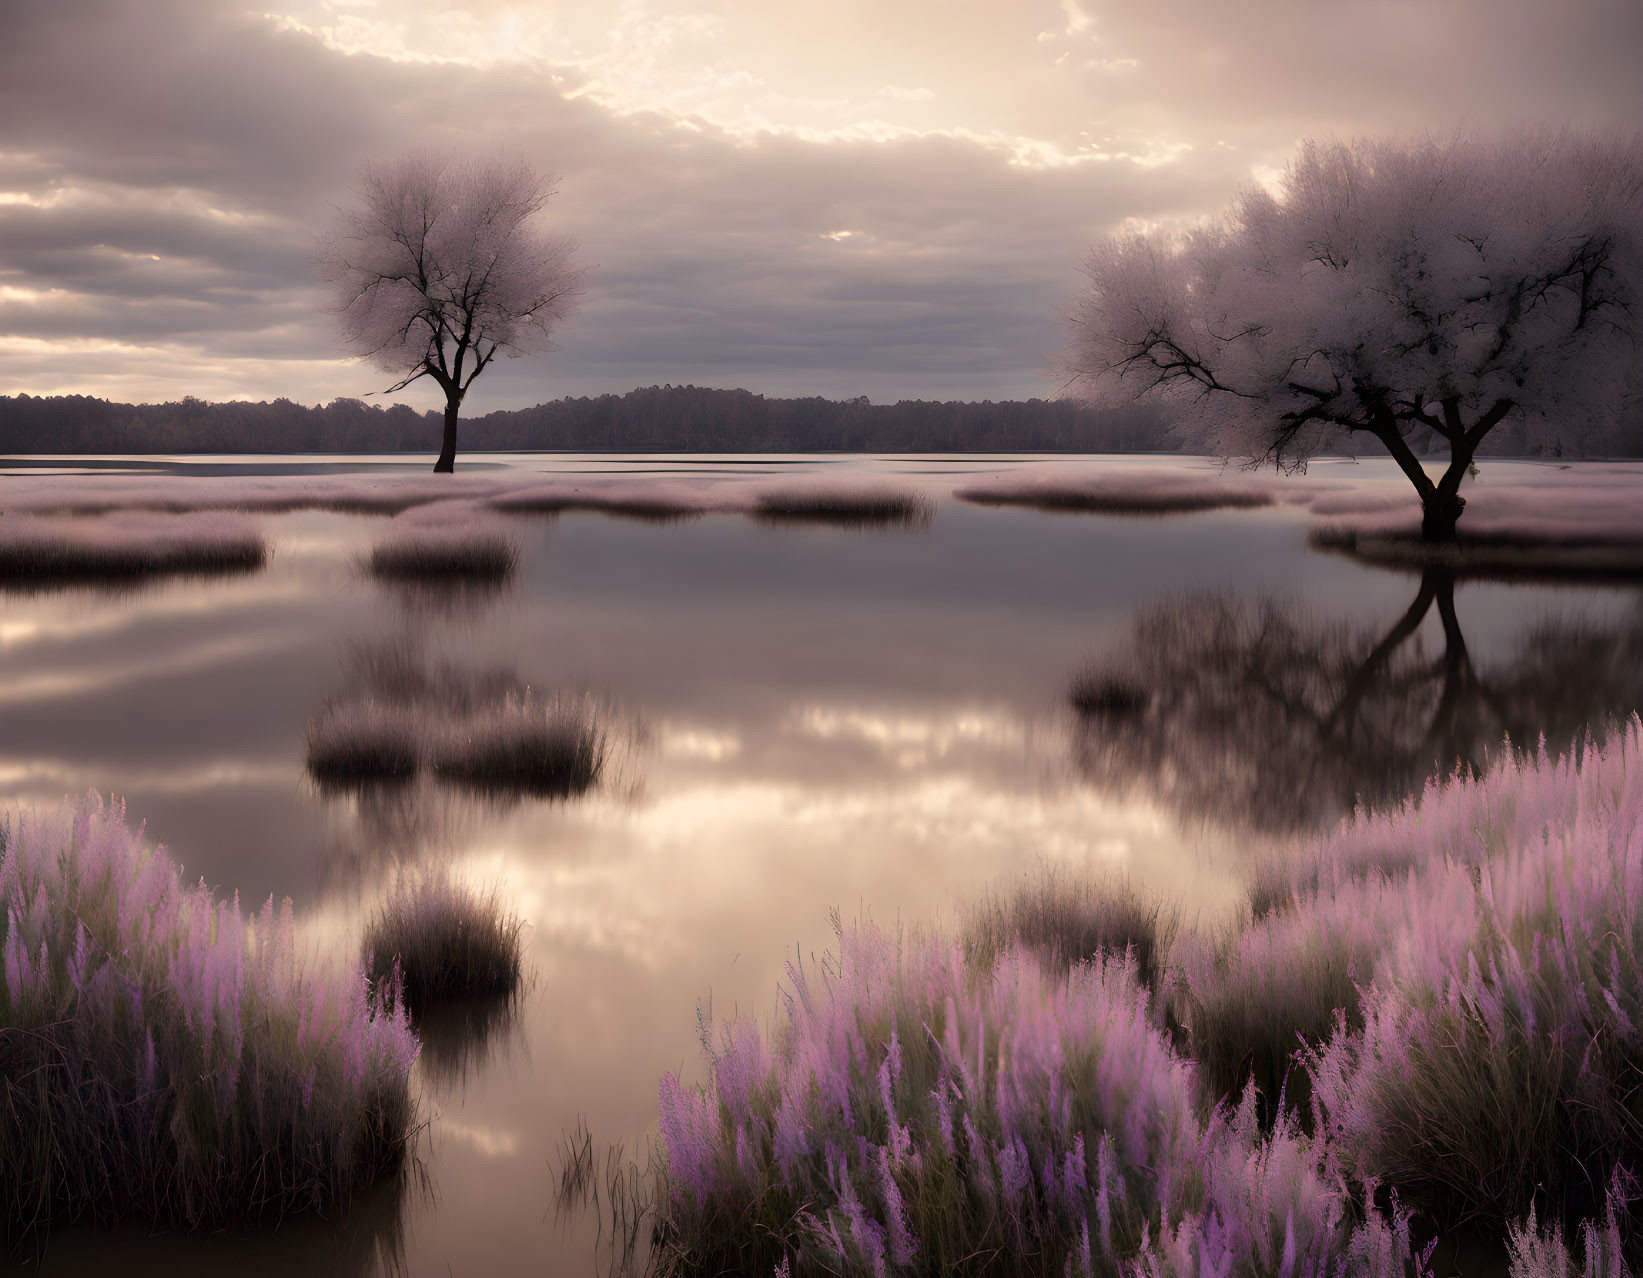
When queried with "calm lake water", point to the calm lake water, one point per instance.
{"points": [[802, 717]]}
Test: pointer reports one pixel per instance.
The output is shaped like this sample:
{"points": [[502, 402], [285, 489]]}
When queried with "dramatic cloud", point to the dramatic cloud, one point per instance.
{"points": [[838, 198]]}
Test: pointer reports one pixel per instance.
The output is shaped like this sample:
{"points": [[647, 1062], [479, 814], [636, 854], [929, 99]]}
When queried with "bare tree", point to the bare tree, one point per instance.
{"points": [[440, 265], [1418, 291]]}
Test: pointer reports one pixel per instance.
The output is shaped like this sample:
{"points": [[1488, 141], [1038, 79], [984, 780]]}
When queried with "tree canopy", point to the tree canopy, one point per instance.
{"points": [[1408, 289], [441, 265]]}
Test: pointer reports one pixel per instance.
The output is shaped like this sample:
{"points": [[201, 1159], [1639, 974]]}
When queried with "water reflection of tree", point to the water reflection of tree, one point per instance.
{"points": [[1259, 713]]}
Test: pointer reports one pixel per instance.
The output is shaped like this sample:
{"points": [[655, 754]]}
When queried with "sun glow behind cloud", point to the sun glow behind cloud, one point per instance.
{"points": [[168, 167], [818, 73]]}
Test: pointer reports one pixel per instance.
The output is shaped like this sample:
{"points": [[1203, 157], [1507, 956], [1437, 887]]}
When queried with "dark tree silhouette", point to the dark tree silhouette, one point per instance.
{"points": [[440, 266], [1414, 291], [1257, 713], [650, 418]]}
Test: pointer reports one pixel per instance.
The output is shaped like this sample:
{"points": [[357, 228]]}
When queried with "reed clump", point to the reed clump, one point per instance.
{"points": [[40, 551], [166, 1059], [447, 939], [1066, 919], [369, 740], [550, 747], [445, 541]]}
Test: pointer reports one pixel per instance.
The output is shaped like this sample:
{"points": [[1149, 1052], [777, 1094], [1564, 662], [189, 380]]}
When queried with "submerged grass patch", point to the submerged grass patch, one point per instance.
{"points": [[38, 551], [481, 729], [871, 507], [164, 1058]]}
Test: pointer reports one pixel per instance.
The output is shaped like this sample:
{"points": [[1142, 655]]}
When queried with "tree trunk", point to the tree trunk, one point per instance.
{"points": [[1439, 514], [1440, 509], [447, 453]]}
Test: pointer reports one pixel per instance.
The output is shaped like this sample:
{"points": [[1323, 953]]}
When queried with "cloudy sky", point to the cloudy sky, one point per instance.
{"points": [[835, 197]]}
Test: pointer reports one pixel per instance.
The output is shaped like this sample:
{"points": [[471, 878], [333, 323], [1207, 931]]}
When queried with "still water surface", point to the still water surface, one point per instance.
{"points": [[804, 718]]}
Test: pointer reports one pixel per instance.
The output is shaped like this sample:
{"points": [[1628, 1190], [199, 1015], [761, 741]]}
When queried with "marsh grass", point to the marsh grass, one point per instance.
{"points": [[1491, 1065], [1066, 919], [610, 1184], [1255, 998], [845, 507], [550, 747], [1132, 494], [1599, 1249], [910, 1114], [40, 552], [445, 541], [662, 507], [446, 938], [884, 1127], [363, 742], [165, 1059], [1456, 1042]]}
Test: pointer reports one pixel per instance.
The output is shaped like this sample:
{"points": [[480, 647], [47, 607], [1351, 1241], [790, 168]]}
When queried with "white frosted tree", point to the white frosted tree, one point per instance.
{"points": [[1422, 291], [440, 264]]}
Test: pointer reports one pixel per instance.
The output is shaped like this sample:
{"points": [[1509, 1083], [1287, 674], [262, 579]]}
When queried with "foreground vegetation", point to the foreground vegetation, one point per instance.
{"points": [[168, 1060], [1433, 1025]]}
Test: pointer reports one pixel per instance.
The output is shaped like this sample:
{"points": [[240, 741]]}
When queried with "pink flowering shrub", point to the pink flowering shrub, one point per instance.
{"points": [[1463, 819], [1447, 997], [1497, 1067], [167, 1059], [914, 1115], [1273, 1205]]}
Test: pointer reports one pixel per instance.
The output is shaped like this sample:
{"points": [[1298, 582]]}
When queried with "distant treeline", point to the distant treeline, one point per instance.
{"points": [[651, 419]]}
